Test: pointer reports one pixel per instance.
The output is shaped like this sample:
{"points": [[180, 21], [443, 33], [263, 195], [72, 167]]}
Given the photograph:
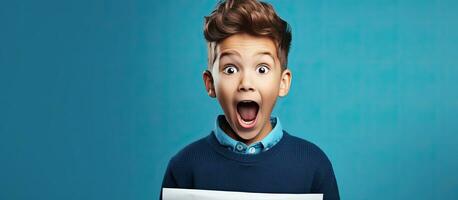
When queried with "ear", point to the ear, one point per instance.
{"points": [[285, 83], [208, 81]]}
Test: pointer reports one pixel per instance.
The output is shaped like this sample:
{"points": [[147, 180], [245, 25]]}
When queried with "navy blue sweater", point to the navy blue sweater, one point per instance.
{"points": [[293, 165]]}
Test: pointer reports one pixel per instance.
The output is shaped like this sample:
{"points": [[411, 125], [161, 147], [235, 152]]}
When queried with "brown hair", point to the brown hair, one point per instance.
{"points": [[246, 16]]}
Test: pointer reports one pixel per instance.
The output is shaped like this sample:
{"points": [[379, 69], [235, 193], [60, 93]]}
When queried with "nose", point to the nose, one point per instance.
{"points": [[245, 84]]}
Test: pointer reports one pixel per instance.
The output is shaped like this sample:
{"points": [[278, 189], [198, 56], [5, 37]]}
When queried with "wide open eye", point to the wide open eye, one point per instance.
{"points": [[262, 69], [230, 69]]}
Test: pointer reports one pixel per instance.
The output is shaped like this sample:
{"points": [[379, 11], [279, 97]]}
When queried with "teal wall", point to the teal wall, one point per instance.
{"points": [[96, 96]]}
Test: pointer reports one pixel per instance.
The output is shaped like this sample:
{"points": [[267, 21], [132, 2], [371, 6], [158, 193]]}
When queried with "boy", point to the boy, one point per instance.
{"points": [[248, 150]]}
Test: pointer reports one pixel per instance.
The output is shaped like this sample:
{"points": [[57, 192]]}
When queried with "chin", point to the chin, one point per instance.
{"points": [[248, 136], [251, 134]]}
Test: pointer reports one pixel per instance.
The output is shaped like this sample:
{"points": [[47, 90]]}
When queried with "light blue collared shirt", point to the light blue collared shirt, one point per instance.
{"points": [[265, 144]]}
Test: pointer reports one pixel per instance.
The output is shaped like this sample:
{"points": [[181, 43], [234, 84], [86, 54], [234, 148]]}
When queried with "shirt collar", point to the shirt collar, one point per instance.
{"points": [[272, 138]]}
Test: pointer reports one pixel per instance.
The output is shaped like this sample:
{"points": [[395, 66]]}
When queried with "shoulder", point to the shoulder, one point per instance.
{"points": [[191, 152], [305, 150], [179, 173]]}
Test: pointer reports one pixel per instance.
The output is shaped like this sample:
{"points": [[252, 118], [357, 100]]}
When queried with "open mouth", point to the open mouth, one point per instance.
{"points": [[247, 113]]}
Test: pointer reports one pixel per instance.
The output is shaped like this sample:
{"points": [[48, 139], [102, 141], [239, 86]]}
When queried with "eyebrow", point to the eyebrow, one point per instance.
{"points": [[266, 53], [231, 52]]}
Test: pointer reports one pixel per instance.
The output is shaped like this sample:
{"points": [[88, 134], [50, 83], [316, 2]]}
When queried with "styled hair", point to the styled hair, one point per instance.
{"points": [[246, 16]]}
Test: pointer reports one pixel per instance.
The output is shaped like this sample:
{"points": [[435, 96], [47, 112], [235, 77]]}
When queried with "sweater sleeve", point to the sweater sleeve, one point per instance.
{"points": [[178, 174], [325, 181], [169, 180]]}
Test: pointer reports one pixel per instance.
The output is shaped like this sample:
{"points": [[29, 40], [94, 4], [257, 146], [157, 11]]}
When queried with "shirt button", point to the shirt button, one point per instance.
{"points": [[239, 147], [251, 150]]}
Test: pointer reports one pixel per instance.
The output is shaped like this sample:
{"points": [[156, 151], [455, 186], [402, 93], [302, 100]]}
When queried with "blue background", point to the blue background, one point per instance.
{"points": [[96, 96]]}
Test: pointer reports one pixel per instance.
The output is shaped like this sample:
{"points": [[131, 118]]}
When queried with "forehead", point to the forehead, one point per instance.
{"points": [[246, 45]]}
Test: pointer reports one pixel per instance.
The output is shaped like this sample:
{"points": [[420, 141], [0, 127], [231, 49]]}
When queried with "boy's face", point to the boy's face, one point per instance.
{"points": [[247, 78]]}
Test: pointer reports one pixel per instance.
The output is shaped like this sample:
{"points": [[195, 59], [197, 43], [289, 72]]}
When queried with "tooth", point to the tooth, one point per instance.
{"points": [[248, 123]]}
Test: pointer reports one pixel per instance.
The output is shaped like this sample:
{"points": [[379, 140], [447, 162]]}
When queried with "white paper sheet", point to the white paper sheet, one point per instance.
{"points": [[193, 194]]}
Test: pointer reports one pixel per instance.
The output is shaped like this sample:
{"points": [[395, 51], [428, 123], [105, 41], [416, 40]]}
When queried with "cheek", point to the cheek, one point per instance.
{"points": [[225, 90], [270, 96], [269, 93]]}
